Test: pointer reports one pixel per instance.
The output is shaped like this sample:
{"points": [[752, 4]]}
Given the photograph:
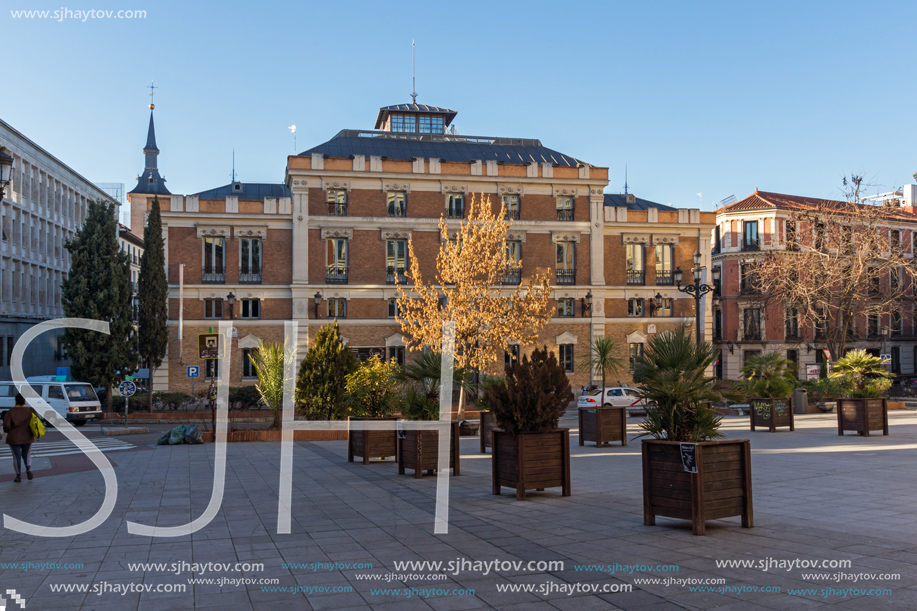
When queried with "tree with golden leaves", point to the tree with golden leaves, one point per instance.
{"points": [[468, 289]]}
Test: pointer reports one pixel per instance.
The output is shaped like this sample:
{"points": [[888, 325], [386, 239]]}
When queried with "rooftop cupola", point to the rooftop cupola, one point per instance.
{"points": [[414, 118]]}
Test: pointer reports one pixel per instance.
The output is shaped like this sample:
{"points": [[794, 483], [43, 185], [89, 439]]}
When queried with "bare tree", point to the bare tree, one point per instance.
{"points": [[842, 260]]}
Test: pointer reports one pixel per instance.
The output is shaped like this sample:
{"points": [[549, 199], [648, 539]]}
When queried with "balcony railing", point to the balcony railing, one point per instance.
{"points": [[210, 276], [392, 272], [513, 277], [566, 276], [565, 215], [636, 276], [336, 276], [512, 214], [665, 277], [791, 332], [455, 213], [750, 245], [249, 277], [752, 334], [336, 209]]}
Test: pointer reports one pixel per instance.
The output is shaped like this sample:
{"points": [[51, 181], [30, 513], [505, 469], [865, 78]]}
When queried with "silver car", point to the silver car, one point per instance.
{"points": [[617, 396]]}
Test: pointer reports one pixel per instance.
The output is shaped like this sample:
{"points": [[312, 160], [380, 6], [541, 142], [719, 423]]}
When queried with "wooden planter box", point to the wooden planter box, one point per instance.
{"points": [[771, 413], [372, 444], [419, 450], [527, 461], [603, 425], [720, 487], [488, 424], [862, 416]]}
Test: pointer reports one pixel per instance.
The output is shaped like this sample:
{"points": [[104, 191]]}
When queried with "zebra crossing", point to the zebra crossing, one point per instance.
{"points": [[42, 449]]}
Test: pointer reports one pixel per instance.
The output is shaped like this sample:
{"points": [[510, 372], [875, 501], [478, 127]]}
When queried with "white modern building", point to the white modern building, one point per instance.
{"points": [[43, 206]]}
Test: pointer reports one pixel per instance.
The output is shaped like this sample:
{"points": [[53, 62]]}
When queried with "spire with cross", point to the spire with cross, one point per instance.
{"points": [[152, 91]]}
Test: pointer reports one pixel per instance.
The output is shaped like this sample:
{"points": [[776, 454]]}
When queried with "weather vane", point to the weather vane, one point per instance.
{"points": [[152, 88]]}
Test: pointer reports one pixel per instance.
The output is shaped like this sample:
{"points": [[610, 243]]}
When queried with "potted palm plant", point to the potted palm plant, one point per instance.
{"points": [[419, 449], [866, 380], [602, 424], [768, 382], [529, 450], [371, 394], [689, 470]]}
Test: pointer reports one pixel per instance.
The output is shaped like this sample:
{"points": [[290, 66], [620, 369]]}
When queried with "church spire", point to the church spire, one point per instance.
{"points": [[150, 181]]}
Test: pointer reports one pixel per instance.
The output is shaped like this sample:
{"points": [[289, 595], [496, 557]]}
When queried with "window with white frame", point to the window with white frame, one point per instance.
{"points": [[213, 308], [455, 205], [214, 260], [251, 308], [511, 204], [565, 307], [249, 256], [395, 260], [566, 356], [248, 366], [635, 306], [396, 203], [337, 308], [565, 208], [336, 258]]}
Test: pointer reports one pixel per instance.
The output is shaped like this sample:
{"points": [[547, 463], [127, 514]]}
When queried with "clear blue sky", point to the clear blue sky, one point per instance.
{"points": [[718, 98]]}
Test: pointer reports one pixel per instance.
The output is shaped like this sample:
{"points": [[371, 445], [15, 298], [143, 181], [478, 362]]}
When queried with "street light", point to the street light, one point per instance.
{"points": [[317, 299], [232, 300], [884, 333], [587, 303], [697, 290], [6, 170]]}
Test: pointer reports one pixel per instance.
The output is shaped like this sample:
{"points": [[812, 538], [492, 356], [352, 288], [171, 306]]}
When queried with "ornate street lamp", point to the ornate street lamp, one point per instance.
{"points": [[587, 303], [697, 290], [232, 301], [317, 298]]}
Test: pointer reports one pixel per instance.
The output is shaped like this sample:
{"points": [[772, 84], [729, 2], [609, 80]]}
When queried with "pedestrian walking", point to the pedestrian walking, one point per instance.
{"points": [[16, 425]]}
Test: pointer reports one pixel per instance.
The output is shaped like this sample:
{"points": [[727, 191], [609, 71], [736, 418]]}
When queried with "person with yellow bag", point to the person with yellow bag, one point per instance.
{"points": [[19, 423]]}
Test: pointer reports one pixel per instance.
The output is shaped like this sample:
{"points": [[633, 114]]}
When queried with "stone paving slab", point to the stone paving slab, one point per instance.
{"points": [[818, 496]]}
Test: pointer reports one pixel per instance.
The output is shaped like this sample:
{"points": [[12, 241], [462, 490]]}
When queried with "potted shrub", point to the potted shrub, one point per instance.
{"points": [[371, 394], [529, 450], [824, 392], [419, 449], [689, 471], [768, 382], [864, 408], [604, 423]]}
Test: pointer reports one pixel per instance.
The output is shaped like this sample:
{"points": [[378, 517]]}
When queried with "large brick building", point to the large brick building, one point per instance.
{"points": [[329, 242], [746, 324]]}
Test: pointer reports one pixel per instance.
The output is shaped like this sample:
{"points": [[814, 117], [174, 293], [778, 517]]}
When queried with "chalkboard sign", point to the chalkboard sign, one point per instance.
{"points": [[689, 457]]}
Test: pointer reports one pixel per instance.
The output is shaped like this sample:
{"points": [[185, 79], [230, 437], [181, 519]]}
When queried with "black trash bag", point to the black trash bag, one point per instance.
{"points": [[193, 434], [177, 435], [164, 438]]}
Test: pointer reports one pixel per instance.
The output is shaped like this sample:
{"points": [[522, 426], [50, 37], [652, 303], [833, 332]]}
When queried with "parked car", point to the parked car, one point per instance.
{"points": [[74, 401], [619, 396]]}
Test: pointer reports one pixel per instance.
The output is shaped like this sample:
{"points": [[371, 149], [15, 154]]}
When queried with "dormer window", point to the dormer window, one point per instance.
{"points": [[237, 186]]}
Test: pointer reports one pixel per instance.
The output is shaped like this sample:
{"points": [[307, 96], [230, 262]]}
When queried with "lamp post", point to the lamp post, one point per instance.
{"points": [[232, 301], [317, 299], [698, 290], [6, 170], [587, 303], [884, 333]]}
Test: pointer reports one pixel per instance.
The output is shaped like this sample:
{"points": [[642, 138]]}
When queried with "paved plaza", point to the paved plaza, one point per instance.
{"points": [[847, 502]]}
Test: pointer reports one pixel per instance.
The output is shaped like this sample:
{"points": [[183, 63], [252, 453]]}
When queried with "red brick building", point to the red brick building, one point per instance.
{"points": [[329, 242]]}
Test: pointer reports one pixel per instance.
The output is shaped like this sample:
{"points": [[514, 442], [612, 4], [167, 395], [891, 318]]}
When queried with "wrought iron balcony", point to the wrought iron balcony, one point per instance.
{"points": [[636, 276], [665, 277], [513, 277], [566, 276], [512, 214], [565, 215], [211, 276], [392, 272], [336, 276], [249, 277], [336, 209]]}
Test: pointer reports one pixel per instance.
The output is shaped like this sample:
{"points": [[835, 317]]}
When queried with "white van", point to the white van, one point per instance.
{"points": [[74, 401]]}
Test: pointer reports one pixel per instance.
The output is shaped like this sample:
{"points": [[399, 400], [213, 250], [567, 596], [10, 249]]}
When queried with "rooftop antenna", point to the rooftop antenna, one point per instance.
{"points": [[292, 129], [701, 196], [152, 91], [233, 165], [413, 77], [625, 179]]}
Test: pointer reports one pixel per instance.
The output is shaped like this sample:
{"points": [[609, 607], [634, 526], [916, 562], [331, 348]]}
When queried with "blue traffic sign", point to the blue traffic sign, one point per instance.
{"points": [[127, 388], [194, 371]]}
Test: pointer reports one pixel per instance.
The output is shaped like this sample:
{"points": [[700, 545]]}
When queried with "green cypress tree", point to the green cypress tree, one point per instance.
{"points": [[98, 287], [152, 293], [321, 384]]}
